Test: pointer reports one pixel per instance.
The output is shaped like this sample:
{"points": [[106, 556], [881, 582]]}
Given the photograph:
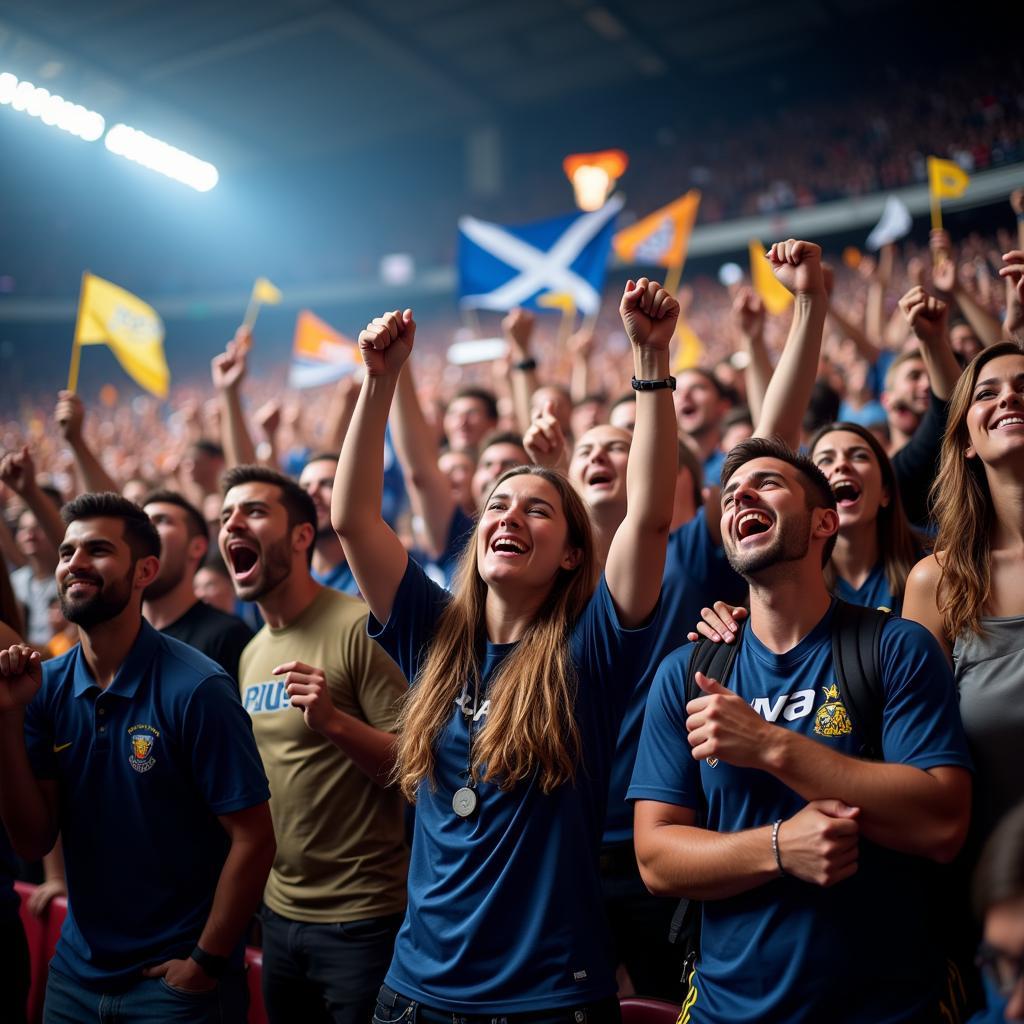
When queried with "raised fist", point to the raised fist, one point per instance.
{"points": [[748, 312], [581, 342], [649, 314], [944, 275], [386, 343], [517, 326], [21, 675], [797, 266], [925, 314], [229, 367], [544, 441], [268, 417], [18, 471], [69, 414]]}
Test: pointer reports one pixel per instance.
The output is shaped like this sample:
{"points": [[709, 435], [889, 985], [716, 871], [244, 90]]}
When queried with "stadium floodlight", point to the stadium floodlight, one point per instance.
{"points": [[161, 157], [51, 109], [593, 176]]}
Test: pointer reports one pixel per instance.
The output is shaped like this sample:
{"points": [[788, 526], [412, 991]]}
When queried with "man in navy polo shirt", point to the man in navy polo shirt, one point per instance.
{"points": [[135, 749], [812, 863]]}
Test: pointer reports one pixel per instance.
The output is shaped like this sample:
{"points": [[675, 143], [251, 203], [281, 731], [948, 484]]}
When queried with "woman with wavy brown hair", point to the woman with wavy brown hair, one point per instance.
{"points": [[519, 681], [970, 593]]}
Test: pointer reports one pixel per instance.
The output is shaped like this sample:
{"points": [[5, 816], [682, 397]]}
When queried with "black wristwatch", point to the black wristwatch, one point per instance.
{"points": [[214, 966], [525, 365], [654, 385]]}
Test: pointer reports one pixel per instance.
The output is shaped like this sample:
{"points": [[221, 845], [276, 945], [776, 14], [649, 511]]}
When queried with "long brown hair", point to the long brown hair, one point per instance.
{"points": [[964, 510], [10, 611], [531, 725], [898, 543]]}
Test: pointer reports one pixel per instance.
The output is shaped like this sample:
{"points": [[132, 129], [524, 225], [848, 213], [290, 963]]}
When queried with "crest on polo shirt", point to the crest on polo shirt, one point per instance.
{"points": [[832, 719], [142, 739]]}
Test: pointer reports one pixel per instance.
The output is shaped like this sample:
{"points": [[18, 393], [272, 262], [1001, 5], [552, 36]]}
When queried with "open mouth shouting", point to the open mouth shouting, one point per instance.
{"points": [[244, 560], [751, 523], [847, 492], [507, 546], [601, 479]]}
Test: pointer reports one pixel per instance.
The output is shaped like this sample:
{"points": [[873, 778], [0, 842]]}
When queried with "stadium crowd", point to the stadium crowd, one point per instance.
{"points": [[403, 665]]}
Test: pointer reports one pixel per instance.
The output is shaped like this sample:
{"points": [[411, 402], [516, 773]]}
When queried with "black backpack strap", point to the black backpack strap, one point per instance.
{"points": [[715, 661], [857, 659]]}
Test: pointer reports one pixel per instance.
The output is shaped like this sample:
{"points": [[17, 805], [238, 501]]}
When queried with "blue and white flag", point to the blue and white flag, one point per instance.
{"points": [[501, 267]]}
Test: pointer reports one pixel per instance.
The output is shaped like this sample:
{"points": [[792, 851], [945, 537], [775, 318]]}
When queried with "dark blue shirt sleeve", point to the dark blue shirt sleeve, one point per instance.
{"points": [[921, 722], [664, 770], [39, 739], [217, 734], [418, 605], [706, 566]]}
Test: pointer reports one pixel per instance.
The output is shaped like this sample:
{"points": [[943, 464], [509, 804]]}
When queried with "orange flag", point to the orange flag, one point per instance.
{"points": [[320, 354], [661, 237]]}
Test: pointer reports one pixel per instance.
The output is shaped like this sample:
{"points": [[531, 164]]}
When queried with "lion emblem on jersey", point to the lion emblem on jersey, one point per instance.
{"points": [[832, 719]]}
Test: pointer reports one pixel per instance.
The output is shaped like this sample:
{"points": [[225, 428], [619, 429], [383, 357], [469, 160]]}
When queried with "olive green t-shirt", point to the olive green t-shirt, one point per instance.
{"points": [[341, 852]]}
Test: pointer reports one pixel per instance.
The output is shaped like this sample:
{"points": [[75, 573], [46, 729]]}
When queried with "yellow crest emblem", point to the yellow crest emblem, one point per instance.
{"points": [[832, 719]]}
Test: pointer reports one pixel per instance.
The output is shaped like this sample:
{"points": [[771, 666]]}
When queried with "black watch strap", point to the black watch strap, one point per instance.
{"points": [[654, 385], [525, 365], [214, 966]]}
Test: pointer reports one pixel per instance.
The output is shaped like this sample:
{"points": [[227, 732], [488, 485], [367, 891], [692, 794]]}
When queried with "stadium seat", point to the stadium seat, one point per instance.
{"points": [[35, 933], [254, 976], [648, 1011]]}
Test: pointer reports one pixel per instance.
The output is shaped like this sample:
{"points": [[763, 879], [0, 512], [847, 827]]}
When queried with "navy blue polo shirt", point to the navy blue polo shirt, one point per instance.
{"points": [[143, 769]]}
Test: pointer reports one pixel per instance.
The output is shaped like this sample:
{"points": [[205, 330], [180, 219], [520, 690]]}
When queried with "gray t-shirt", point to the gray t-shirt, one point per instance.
{"points": [[35, 596], [989, 674]]}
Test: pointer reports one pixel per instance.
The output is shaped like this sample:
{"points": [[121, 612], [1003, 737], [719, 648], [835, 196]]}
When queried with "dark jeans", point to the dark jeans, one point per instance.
{"points": [[393, 1008], [149, 1001], [640, 924], [15, 971], [320, 973]]}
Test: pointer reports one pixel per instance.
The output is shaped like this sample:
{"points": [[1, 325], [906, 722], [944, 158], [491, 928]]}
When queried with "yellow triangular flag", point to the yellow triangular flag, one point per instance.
{"points": [[776, 296], [661, 237], [946, 180], [558, 300], [265, 292], [109, 315], [691, 348]]}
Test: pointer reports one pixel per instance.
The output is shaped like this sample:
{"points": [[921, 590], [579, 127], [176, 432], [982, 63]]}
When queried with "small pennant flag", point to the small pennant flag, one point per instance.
{"points": [[109, 315], [320, 354], [776, 297], [265, 292], [894, 224], [946, 180], [691, 348], [661, 237]]}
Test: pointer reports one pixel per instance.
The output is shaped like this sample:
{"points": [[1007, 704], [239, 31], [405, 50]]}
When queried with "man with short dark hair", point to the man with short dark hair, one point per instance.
{"points": [[133, 747], [701, 403], [471, 413], [803, 848], [329, 566], [325, 727], [170, 603]]}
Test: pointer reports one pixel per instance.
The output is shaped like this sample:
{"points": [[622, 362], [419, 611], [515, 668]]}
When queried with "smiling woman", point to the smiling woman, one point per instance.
{"points": [[519, 681]]}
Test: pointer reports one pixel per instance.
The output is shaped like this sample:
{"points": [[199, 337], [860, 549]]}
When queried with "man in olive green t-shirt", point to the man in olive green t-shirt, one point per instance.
{"points": [[323, 700]]}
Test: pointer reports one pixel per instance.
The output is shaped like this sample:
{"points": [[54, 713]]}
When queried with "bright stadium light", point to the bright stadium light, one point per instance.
{"points": [[52, 110], [161, 157]]}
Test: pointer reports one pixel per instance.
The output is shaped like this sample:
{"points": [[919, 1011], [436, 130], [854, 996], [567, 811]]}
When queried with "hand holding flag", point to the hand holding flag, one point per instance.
{"points": [[264, 292], [946, 180]]}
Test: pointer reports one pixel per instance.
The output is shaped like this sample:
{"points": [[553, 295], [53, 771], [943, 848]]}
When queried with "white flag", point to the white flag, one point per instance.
{"points": [[895, 222]]}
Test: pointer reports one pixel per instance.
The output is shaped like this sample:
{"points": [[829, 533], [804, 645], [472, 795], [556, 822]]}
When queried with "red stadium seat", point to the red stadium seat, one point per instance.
{"points": [[648, 1011], [254, 976], [35, 932]]}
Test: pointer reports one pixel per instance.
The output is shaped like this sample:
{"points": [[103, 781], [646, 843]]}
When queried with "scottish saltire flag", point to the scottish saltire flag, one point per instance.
{"points": [[501, 266]]}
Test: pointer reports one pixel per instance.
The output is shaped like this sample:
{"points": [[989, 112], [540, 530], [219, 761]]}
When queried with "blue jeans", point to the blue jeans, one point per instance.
{"points": [[148, 1001], [325, 973]]}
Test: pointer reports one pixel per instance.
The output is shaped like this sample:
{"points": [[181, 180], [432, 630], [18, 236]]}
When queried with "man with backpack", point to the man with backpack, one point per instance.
{"points": [[802, 791]]}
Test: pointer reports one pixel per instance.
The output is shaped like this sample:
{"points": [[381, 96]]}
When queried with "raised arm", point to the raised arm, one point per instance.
{"points": [[228, 372], [1013, 273], [636, 558], [18, 471], [947, 281], [580, 346], [339, 414], [748, 318], [70, 416], [517, 327], [374, 552], [798, 266], [927, 317], [416, 448]]}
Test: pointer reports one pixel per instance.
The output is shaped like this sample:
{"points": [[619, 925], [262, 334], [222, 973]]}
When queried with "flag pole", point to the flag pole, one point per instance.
{"points": [[76, 347], [252, 311], [673, 277], [936, 212]]}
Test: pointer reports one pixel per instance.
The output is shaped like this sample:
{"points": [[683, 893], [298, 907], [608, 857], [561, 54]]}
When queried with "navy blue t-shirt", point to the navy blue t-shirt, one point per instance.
{"points": [[713, 468], [460, 529], [144, 768], [861, 950], [874, 592], [505, 911], [696, 573]]}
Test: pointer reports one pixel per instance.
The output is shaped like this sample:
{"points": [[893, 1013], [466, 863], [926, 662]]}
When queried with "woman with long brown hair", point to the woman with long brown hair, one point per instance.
{"points": [[970, 593], [519, 680]]}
